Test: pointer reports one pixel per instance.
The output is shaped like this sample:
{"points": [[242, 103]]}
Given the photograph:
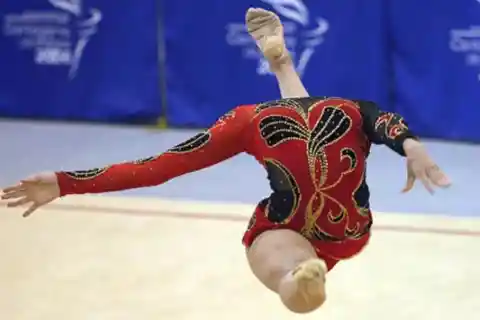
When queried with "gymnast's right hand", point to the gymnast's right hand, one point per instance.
{"points": [[34, 191]]}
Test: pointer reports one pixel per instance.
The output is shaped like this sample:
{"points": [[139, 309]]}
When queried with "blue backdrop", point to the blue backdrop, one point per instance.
{"points": [[436, 59], [213, 65], [79, 59], [98, 60]]}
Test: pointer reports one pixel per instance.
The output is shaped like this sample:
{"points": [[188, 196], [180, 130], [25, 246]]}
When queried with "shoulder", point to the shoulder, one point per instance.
{"points": [[243, 110]]}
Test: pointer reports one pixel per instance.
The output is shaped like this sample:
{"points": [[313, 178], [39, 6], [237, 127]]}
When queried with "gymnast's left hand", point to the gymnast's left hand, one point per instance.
{"points": [[421, 166], [34, 191]]}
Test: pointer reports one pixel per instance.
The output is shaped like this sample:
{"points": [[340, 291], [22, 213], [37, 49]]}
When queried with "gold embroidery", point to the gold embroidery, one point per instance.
{"points": [[276, 130], [192, 144], [397, 129], [145, 160], [345, 153], [292, 104], [333, 218], [311, 215], [287, 188], [333, 124], [392, 124], [86, 174], [349, 153], [352, 233], [223, 119], [362, 209]]}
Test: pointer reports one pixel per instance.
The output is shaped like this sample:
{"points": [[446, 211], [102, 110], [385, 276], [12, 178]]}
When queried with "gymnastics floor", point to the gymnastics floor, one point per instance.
{"points": [[140, 258]]}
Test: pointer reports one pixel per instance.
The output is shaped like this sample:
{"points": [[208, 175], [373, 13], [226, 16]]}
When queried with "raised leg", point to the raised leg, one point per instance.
{"points": [[267, 30]]}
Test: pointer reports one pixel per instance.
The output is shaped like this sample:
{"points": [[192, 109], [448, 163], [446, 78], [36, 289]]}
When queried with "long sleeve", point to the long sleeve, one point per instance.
{"points": [[223, 140], [385, 128]]}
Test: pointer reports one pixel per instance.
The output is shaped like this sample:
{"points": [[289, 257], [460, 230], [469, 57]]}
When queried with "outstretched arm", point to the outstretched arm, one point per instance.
{"points": [[391, 130], [223, 140]]}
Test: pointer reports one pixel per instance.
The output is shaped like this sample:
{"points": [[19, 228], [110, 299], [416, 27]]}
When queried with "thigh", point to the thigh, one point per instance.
{"points": [[274, 253]]}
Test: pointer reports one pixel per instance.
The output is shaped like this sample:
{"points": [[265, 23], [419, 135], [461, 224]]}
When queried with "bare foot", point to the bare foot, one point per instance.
{"points": [[267, 30]]}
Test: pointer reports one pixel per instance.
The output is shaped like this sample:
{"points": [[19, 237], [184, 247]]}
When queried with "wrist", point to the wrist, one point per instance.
{"points": [[410, 143]]}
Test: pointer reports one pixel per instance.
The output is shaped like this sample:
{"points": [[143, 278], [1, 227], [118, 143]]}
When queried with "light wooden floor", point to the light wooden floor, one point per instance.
{"points": [[105, 258]]}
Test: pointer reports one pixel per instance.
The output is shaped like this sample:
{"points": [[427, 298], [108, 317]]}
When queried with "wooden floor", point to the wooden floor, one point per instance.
{"points": [[89, 258]]}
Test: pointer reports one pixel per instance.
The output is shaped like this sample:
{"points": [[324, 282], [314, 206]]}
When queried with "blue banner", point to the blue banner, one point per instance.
{"points": [[80, 60], [437, 66], [212, 64]]}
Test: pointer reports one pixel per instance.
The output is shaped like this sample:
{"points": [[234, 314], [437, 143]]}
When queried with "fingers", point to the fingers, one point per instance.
{"points": [[13, 194], [432, 175], [429, 174], [422, 176], [438, 177], [410, 178], [30, 181], [17, 203], [20, 202], [423, 167], [14, 188], [22, 185], [30, 210], [17, 195], [409, 185]]}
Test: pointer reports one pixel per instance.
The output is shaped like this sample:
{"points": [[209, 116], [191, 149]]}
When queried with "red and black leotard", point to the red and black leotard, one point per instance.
{"points": [[314, 152]]}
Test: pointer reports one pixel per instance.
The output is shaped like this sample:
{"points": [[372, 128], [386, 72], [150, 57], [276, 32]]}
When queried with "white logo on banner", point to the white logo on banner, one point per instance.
{"points": [[467, 42], [302, 34], [56, 37]]}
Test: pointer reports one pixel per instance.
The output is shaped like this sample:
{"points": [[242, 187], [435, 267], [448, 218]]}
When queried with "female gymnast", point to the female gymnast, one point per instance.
{"points": [[314, 151]]}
